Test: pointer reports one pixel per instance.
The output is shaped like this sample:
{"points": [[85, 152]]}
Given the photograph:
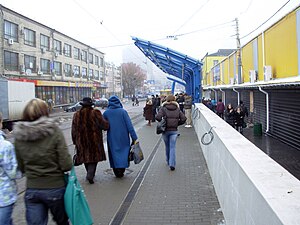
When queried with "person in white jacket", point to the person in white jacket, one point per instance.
{"points": [[8, 175]]}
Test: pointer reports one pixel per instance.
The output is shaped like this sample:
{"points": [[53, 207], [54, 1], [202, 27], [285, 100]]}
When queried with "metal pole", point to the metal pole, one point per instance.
{"points": [[238, 43]]}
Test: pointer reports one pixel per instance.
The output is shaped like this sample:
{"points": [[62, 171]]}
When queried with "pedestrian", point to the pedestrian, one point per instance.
{"points": [[43, 157], [87, 126], [174, 116], [188, 102], [239, 119], [158, 102], [8, 174], [50, 104], [153, 107], [133, 100], [180, 101], [230, 115], [118, 136], [245, 111], [220, 109], [148, 112], [137, 101]]}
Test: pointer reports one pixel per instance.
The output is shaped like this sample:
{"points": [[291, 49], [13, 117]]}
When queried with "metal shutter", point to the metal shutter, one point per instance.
{"points": [[285, 115], [259, 108]]}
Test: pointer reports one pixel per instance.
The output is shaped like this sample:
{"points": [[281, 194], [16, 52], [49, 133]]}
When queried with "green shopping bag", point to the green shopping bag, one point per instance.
{"points": [[76, 205]]}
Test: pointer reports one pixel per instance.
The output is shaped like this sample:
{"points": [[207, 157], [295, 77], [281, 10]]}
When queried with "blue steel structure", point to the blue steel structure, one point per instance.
{"points": [[183, 67]]}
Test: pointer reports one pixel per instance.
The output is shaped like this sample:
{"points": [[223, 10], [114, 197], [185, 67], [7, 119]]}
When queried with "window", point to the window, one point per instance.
{"points": [[10, 30], [101, 62], [101, 75], [96, 60], [91, 73], [84, 71], [84, 56], [30, 63], [97, 74], [91, 58], [68, 70], [45, 42], [57, 46], [67, 50], [76, 71], [57, 68], [215, 62], [45, 66], [11, 61], [76, 53], [29, 37]]}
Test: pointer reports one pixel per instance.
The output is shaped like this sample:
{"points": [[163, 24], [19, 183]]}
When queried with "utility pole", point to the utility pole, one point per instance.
{"points": [[238, 45]]}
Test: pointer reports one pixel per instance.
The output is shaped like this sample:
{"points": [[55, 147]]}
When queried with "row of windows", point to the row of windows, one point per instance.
{"points": [[11, 63], [11, 32]]}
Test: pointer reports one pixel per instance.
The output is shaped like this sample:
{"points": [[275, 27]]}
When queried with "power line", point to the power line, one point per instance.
{"points": [[203, 29], [191, 16], [266, 20]]}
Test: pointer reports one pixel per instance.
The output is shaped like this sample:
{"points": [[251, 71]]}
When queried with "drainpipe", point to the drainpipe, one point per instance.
{"points": [[238, 95], [224, 99], [267, 107], [215, 94]]}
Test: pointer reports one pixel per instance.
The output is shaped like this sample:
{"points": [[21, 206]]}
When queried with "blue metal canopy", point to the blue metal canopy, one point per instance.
{"points": [[174, 63]]}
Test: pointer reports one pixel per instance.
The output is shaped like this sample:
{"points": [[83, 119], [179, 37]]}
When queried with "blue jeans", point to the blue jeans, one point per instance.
{"points": [[5, 215], [39, 201], [170, 138]]}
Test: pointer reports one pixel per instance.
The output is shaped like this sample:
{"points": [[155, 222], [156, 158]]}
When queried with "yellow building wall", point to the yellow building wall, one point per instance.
{"points": [[281, 50], [225, 71], [260, 75], [231, 67], [247, 61], [206, 68]]}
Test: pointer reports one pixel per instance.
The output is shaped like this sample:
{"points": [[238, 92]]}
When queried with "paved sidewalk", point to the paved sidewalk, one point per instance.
{"points": [[183, 196]]}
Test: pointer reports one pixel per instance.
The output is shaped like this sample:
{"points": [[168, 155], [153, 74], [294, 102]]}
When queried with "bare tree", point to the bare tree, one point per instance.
{"points": [[132, 78]]}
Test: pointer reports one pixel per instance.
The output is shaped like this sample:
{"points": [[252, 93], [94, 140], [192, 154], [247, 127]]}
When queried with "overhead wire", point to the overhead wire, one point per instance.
{"points": [[196, 12], [266, 20]]}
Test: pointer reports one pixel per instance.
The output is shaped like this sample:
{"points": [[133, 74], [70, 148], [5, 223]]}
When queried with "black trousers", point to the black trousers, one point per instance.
{"points": [[90, 170]]}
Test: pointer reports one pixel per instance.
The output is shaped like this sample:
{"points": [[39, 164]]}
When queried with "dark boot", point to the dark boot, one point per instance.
{"points": [[119, 172]]}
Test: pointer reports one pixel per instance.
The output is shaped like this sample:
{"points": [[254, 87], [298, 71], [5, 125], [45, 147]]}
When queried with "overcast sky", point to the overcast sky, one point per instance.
{"points": [[201, 26]]}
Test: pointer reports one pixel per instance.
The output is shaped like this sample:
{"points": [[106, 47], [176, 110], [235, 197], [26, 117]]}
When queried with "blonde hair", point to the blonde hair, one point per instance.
{"points": [[170, 98], [35, 109]]}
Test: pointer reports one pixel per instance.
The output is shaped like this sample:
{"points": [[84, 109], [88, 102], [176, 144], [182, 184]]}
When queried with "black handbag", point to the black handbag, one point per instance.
{"points": [[161, 126], [76, 161]]}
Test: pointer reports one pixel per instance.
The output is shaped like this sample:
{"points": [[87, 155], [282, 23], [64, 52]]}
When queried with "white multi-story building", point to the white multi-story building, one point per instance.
{"points": [[113, 79], [61, 67]]}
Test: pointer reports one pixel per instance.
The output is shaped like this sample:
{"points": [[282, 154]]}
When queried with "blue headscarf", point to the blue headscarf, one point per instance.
{"points": [[114, 102]]}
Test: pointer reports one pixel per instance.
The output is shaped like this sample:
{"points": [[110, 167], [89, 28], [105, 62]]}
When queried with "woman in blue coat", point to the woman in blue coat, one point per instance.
{"points": [[118, 140]]}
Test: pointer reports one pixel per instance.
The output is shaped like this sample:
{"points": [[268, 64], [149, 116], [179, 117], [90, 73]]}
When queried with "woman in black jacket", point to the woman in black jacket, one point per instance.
{"points": [[174, 116], [230, 115]]}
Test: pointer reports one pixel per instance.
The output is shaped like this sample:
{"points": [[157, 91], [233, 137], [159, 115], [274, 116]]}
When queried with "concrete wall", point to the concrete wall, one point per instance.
{"points": [[251, 187]]}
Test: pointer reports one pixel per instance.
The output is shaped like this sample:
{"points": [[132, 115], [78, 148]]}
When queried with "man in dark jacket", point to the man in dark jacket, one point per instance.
{"points": [[87, 126], [188, 102]]}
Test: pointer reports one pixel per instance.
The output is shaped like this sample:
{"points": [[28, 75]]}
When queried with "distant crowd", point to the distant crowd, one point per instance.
{"points": [[234, 117]]}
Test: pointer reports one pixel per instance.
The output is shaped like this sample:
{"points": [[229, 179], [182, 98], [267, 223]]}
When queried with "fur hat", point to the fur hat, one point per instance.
{"points": [[86, 101]]}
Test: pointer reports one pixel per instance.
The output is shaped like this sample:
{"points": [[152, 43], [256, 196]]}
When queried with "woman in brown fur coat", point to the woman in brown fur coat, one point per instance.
{"points": [[87, 126], [148, 112]]}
